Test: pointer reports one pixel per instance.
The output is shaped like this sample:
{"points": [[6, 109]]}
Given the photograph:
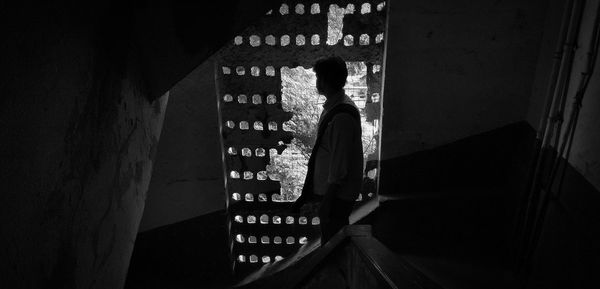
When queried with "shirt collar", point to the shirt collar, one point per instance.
{"points": [[334, 100]]}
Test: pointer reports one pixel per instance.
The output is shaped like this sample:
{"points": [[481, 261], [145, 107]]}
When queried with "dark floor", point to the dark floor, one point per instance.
{"points": [[189, 254], [458, 239]]}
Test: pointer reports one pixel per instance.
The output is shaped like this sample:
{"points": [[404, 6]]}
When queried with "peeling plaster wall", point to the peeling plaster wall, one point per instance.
{"points": [[187, 180], [457, 68], [78, 140]]}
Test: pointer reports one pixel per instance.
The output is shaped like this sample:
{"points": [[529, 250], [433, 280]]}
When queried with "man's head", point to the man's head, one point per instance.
{"points": [[331, 75]]}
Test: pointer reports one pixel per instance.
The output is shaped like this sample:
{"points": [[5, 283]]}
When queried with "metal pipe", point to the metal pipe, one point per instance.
{"points": [[557, 65], [547, 192], [562, 91]]}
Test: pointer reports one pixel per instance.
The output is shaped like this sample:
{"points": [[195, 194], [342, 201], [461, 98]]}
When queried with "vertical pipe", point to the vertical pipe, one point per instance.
{"points": [[557, 65], [538, 212]]}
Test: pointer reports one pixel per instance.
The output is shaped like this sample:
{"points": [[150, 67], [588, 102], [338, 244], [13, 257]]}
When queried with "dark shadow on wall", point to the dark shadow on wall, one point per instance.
{"points": [[457, 208], [490, 159], [188, 254]]}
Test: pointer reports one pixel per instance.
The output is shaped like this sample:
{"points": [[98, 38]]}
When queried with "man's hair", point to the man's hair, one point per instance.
{"points": [[332, 70]]}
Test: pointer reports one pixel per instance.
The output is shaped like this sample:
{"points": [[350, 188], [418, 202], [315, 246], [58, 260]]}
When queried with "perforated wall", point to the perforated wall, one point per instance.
{"points": [[257, 129]]}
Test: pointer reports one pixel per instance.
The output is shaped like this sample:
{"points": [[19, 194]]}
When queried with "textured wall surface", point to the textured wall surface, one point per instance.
{"points": [[187, 179], [78, 139], [568, 253], [457, 68], [585, 155]]}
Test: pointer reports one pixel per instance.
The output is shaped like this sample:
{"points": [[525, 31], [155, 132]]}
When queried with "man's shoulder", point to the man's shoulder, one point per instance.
{"points": [[343, 116], [347, 109], [345, 120]]}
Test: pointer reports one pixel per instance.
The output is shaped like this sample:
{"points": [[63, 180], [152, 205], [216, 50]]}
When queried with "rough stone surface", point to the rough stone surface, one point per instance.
{"points": [[78, 140]]}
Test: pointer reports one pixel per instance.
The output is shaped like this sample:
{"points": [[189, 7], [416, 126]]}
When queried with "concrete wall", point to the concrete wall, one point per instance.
{"points": [[585, 154], [457, 68], [78, 139], [187, 180], [453, 70], [568, 252]]}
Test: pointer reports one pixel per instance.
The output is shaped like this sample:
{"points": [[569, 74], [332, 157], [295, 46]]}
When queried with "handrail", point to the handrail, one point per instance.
{"points": [[383, 264], [306, 259]]}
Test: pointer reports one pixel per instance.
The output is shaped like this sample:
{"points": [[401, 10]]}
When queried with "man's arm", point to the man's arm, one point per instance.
{"points": [[341, 140], [332, 191], [342, 134]]}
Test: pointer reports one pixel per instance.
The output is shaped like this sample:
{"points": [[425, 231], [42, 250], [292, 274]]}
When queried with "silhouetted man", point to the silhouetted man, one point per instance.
{"points": [[335, 167]]}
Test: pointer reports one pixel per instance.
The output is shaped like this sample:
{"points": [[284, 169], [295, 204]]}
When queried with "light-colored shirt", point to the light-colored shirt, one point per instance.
{"points": [[339, 158]]}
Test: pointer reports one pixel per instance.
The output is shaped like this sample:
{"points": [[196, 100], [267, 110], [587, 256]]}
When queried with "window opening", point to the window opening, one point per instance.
{"points": [[239, 219], [239, 238], [238, 40], [289, 220], [315, 8], [264, 240], [246, 152], [315, 221], [253, 259], [264, 219], [365, 8], [315, 39], [284, 9], [348, 40], [255, 71], [276, 220], [300, 40], [364, 39], [269, 108], [290, 240], [240, 70], [256, 99], [285, 40], [302, 221]]}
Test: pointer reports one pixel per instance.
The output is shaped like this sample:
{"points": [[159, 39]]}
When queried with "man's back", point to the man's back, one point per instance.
{"points": [[339, 157]]}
